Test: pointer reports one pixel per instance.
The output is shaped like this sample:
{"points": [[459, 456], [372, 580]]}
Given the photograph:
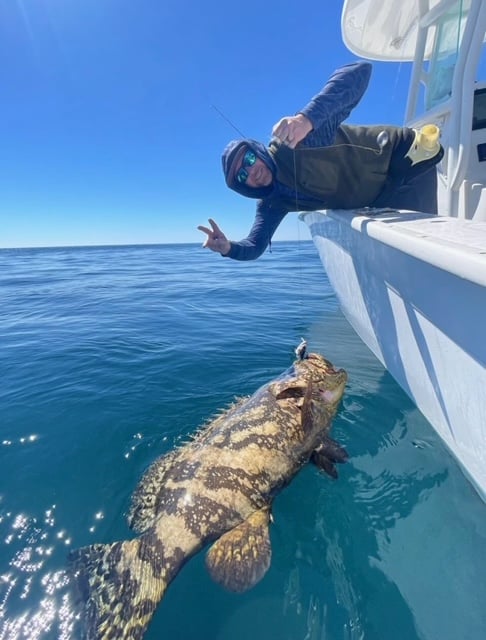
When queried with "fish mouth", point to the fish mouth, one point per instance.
{"points": [[328, 381]]}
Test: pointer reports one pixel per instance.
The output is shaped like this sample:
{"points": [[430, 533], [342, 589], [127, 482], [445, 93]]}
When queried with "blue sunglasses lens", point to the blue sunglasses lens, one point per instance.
{"points": [[242, 175], [249, 159]]}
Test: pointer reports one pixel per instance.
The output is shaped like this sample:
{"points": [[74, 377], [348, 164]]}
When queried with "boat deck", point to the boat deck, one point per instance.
{"points": [[455, 245]]}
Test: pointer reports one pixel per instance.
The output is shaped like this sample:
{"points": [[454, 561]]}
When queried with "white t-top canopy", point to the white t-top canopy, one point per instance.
{"points": [[385, 29]]}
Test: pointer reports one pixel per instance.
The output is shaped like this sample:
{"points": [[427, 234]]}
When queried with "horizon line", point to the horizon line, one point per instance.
{"points": [[128, 244]]}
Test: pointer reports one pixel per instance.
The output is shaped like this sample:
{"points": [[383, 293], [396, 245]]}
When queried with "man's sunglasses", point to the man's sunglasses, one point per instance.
{"points": [[249, 160]]}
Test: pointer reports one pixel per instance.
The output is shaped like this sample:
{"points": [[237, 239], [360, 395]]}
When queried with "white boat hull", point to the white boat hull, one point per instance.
{"points": [[414, 288]]}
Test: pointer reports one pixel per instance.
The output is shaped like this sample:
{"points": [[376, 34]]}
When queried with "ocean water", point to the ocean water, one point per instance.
{"points": [[110, 356]]}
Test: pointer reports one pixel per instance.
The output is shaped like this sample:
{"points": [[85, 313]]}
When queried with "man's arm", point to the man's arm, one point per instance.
{"points": [[316, 124], [333, 104], [267, 219]]}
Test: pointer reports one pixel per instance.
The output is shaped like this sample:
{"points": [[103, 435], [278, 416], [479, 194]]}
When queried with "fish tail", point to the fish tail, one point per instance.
{"points": [[120, 585]]}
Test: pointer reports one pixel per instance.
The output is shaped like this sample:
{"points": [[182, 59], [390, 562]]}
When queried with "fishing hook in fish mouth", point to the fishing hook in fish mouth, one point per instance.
{"points": [[301, 350]]}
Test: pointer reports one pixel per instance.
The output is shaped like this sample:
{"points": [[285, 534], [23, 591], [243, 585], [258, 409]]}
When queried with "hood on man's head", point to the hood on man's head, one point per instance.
{"points": [[232, 157]]}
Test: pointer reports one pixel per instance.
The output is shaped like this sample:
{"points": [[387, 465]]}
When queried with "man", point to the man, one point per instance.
{"points": [[315, 162]]}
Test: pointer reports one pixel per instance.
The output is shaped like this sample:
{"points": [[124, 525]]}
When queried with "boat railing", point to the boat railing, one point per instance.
{"points": [[448, 82]]}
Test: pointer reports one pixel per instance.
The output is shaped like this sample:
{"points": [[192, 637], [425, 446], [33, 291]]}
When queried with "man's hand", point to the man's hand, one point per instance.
{"points": [[216, 240], [292, 129]]}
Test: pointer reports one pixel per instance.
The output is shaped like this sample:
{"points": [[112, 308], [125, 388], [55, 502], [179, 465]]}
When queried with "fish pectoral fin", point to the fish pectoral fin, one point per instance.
{"points": [[323, 463], [333, 450], [241, 557], [327, 454]]}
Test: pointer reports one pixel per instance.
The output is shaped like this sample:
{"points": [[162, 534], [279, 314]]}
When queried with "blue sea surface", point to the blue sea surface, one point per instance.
{"points": [[111, 356]]}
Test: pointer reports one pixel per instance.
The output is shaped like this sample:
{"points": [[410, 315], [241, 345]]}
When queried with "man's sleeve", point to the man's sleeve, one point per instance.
{"points": [[267, 219], [333, 104]]}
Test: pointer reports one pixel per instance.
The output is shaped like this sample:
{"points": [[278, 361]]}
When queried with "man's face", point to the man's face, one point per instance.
{"points": [[253, 171]]}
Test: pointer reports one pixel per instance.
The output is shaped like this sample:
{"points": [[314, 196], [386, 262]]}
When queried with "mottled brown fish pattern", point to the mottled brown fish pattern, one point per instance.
{"points": [[216, 489]]}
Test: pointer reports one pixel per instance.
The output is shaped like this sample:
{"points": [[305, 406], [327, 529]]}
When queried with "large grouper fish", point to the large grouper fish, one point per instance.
{"points": [[218, 488]]}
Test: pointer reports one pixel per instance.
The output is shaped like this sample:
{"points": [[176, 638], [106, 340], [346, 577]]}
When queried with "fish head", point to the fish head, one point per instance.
{"points": [[312, 381]]}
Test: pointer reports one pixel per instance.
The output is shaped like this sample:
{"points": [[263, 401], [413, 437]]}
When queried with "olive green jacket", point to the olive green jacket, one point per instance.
{"points": [[348, 174]]}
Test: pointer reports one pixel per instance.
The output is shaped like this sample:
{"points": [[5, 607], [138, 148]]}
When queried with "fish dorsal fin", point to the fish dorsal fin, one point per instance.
{"points": [[241, 557], [145, 500]]}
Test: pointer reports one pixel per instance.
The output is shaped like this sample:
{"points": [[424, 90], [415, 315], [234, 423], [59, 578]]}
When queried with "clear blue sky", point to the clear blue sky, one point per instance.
{"points": [[107, 130]]}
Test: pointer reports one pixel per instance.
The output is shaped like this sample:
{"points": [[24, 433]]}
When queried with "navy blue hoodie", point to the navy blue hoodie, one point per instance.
{"points": [[326, 111]]}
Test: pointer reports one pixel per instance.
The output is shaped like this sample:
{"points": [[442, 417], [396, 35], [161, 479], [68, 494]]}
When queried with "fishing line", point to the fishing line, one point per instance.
{"points": [[231, 123], [299, 247], [228, 120], [382, 139]]}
